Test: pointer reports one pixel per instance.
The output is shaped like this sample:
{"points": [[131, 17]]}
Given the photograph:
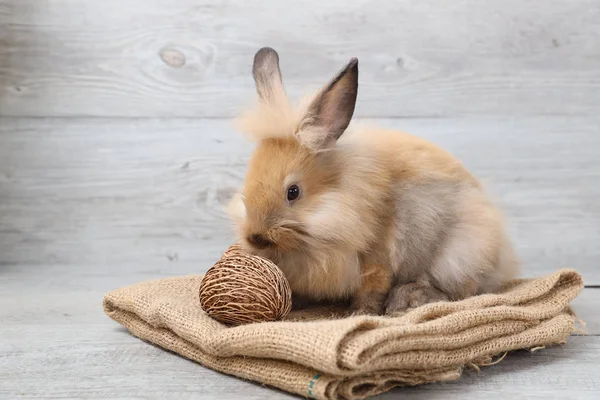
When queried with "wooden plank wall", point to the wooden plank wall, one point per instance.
{"points": [[191, 58], [128, 196], [116, 150]]}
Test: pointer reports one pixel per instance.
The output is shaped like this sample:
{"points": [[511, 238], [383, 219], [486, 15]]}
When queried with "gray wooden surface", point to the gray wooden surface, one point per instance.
{"points": [[191, 58], [115, 162], [99, 360]]}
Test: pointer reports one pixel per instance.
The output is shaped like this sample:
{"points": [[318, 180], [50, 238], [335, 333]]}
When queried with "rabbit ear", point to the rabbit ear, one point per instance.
{"points": [[330, 112], [267, 75]]}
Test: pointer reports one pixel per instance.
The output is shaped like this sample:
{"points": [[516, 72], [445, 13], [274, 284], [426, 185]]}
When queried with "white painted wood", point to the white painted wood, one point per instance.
{"points": [[192, 58], [74, 361], [145, 198], [59, 344], [56, 341], [569, 372]]}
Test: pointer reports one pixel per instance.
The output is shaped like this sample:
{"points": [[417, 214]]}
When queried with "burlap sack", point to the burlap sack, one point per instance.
{"points": [[322, 354]]}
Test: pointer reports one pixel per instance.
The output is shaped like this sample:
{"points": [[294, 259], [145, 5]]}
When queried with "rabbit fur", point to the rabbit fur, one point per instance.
{"points": [[383, 219]]}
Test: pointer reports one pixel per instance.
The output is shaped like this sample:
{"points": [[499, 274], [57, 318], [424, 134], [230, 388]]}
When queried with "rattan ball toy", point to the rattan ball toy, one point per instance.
{"points": [[242, 288]]}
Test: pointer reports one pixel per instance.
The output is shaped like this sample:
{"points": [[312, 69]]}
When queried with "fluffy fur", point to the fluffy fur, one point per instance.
{"points": [[385, 219]]}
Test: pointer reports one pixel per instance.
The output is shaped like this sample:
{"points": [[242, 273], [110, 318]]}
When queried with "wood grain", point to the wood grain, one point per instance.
{"points": [[556, 373], [145, 198], [62, 344], [191, 58], [55, 339], [91, 204]]}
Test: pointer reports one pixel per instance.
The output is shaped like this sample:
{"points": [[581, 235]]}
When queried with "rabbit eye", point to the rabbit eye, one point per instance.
{"points": [[293, 192]]}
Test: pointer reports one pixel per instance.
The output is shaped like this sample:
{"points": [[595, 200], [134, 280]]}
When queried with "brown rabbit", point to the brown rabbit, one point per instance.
{"points": [[381, 218]]}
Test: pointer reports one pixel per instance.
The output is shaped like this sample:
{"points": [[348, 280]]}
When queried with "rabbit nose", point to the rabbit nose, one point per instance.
{"points": [[259, 241]]}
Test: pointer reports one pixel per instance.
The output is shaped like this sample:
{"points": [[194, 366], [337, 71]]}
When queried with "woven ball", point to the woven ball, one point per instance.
{"points": [[242, 288]]}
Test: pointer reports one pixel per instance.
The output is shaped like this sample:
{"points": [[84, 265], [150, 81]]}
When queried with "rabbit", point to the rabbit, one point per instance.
{"points": [[381, 219]]}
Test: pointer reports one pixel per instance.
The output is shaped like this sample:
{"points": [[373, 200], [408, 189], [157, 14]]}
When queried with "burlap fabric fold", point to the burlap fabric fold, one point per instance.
{"points": [[323, 354]]}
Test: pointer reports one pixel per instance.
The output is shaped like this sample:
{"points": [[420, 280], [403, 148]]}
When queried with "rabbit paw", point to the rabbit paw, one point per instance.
{"points": [[411, 295], [368, 304]]}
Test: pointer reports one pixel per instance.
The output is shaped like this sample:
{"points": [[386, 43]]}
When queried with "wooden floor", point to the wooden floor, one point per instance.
{"points": [[92, 204]]}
